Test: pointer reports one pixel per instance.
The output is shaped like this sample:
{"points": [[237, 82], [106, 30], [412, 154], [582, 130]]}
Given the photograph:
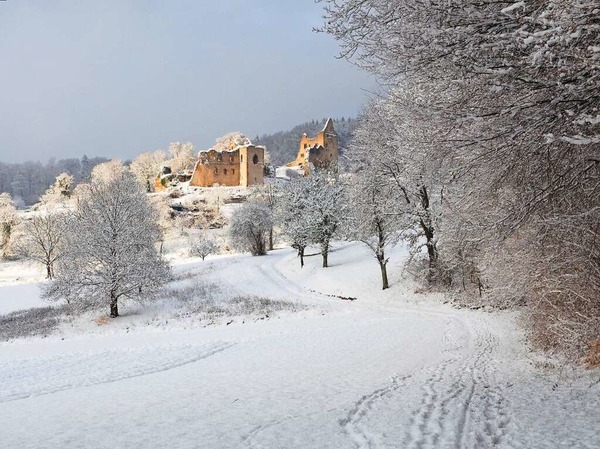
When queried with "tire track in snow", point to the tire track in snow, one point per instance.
{"points": [[271, 272], [22, 379], [352, 424], [462, 404]]}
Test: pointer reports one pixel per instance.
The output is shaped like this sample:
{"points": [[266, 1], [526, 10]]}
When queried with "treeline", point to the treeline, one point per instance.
{"points": [[489, 131], [283, 145], [25, 182]]}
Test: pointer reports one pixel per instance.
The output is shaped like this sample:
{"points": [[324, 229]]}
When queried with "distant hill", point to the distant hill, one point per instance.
{"points": [[283, 145], [26, 181]]}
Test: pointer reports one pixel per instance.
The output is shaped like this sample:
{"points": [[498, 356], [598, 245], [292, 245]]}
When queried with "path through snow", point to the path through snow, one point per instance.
{"points": [[385, 371]]}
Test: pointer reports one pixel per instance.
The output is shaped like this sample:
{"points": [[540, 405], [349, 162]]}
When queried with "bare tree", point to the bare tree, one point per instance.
{"points": [[110, 248], [42, 240], [203, 245]]}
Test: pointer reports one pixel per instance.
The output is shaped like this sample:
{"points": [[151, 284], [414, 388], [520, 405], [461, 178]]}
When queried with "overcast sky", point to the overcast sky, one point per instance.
{"points": [[115, 78]]}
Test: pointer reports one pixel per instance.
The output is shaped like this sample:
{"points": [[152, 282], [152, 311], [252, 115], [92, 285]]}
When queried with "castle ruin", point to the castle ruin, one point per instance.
{"points": [[318, 152]]}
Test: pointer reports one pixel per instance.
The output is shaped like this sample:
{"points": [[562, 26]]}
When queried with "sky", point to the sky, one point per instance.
{"points": [[115, 78]]}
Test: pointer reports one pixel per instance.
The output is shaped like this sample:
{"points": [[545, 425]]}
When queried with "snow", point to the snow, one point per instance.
{"points": [[390, 369], [512, 7], [20, 297], [581, 140]]}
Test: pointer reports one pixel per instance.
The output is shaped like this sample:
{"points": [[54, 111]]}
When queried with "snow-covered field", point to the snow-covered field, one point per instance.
{"points": [[391, 369]]}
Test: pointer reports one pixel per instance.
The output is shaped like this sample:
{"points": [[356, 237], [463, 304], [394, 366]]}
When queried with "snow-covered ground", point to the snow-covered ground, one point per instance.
{"points": [[391, 369]]}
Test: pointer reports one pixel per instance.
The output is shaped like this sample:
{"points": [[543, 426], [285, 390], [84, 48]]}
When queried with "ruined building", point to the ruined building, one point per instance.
{"points": [[242, 166], [319, 152]]}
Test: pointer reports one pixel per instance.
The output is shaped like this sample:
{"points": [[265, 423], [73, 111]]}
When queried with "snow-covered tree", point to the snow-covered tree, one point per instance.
{"points": [[325, 209], [146, 166], [506, 94], [182, 156], [249, 227], [43, 238], [163, 215], [268, 195], [85, 170], [8, 220], [110, 248], [108, 172], [396, 138], [230, 141], [294, 216], [60, 191], [374, 217], [203, 245]]}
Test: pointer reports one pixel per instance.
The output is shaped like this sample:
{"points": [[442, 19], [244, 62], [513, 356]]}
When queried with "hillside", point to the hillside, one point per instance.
{"points": [[256, 352], [283, 145]]}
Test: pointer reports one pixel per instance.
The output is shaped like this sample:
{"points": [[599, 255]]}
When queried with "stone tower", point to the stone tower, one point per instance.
{"points": [[320, 152]]}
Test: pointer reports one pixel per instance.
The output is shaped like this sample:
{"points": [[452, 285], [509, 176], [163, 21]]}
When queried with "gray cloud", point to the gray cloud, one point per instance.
{"points": [[116, 78]]}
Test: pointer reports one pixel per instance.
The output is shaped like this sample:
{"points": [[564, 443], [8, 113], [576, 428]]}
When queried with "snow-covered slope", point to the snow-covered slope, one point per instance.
{"points": [[393, 369]]}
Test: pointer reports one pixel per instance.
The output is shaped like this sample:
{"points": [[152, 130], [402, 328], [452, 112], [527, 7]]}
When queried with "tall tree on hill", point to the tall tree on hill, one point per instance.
{"points": [[110, 248], [293, 215], [268, 195], [374, 218], [325, 208]]}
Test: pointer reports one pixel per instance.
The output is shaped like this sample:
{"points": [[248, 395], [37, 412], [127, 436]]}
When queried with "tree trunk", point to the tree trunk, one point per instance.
{"points": [[384, 276], [271, 239], [114, 308], [325, 254], [48, 270], [301, 254], [426, 225]]}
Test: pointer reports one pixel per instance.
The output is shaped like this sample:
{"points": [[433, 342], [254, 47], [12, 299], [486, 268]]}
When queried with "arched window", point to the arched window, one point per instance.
{"points": [[216, 171], [231, 159], [305, 145], [255, 159], [224, 171], [233, 171]]}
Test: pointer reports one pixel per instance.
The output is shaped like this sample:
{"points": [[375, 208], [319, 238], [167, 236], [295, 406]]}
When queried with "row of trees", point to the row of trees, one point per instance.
{"points": [[488, 124], [320, 208], [25, 182]]}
